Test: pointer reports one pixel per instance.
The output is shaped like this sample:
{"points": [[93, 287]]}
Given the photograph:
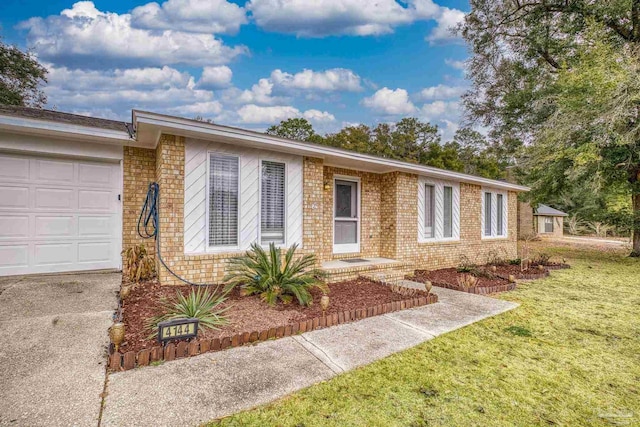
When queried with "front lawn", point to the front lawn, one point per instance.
{"points": [[569, 355]]}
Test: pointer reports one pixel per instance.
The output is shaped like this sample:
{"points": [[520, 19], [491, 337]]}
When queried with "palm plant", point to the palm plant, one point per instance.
{"points": [[273, 277], [202, 304]]}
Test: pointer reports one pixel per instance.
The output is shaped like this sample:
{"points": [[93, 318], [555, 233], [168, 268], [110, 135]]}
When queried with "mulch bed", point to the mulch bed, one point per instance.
{"points": [[448, 278], [249, 313]]}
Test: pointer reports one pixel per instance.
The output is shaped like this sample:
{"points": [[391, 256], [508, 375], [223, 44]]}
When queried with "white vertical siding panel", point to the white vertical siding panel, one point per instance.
{"points": [[195, 221], [249, 200], [195, 197], [294, 202]]}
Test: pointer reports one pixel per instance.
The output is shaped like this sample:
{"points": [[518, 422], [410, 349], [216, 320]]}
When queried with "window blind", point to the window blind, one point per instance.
{"points": [[448, 212], [223, 200], [500, 214], [487, 214], [272, 199], [429, 210]]}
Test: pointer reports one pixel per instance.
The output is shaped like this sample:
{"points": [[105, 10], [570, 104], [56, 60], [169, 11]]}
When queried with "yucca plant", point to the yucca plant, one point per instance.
{"points": [[202, 304], [273, 277]]}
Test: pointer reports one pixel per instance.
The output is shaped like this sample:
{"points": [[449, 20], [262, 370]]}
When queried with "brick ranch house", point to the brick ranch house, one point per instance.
{"points": [[72, 187]]}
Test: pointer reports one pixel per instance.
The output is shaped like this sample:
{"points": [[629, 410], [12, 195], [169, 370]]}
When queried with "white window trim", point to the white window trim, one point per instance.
{"points": [[439, 210], [286, 200], [225, 248], [353, 247], [494, 214]]}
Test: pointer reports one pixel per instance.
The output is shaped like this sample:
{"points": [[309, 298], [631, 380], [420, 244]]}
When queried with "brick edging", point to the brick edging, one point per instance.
{"points": [[131, 359], [479, 290]]}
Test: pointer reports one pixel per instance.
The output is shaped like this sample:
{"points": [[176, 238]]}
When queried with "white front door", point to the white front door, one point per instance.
{"points": [[58, 214], [346, 218]]}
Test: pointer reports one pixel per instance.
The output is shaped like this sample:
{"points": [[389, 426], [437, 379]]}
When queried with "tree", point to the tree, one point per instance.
{"points": [[295, 128], [476, 154], [354, 138], [561, 78], [20, 78]]}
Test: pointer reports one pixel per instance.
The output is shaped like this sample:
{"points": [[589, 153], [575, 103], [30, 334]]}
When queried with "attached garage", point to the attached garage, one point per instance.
{"points": [[58, 214], [60, 208]]}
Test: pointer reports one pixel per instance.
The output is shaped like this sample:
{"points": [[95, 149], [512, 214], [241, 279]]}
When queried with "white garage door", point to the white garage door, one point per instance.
{"points": [[58, 214]]}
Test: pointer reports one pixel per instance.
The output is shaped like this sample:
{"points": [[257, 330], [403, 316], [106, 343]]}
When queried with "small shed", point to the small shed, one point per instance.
{"points": [[549, 221]]}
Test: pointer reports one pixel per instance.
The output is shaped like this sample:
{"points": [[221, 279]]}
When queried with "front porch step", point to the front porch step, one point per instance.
{"points": [[388, 277], [380, 269]]}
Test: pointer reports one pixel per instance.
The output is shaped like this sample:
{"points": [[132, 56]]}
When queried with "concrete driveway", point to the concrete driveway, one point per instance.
{"points": [[52, 347]]}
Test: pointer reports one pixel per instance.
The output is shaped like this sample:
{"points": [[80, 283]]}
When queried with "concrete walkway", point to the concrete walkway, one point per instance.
{"points": [[52, 347], [195, 390]]}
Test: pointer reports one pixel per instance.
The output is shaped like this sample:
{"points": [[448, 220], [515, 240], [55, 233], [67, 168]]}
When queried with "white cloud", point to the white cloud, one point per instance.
{"points": [[206, 109], [215, 77], [453, 63], [390, 102], [318, 116], [445, 32], [446, 114], [441, 92], [198, 16], [85, 36], [82, 80], [116, 92], [349, 17], [335, 79], [254, 114], [260, 93]]}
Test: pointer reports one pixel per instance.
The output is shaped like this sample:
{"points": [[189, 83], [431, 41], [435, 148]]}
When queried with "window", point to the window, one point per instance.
{"points": [[223, 200], [272, 203], [494, 211], [499, 214], [447, 231], [439, 210], [429, 211], [487, 214], [548, 224]]}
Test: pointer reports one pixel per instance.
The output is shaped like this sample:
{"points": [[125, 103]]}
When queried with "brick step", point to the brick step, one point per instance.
{"points": [[390, 277]]}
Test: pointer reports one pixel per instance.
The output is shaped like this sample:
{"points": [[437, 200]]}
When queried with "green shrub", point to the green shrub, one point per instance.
{"points": [[202, 304], [274, 278], [515, 261]]}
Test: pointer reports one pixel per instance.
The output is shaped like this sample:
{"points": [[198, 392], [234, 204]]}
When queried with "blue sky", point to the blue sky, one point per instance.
{"points": [[249, 63]]}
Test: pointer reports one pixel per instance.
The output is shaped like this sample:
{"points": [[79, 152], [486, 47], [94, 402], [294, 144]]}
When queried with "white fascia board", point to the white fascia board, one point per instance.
{"points": [[205, 130], [85, 133]]}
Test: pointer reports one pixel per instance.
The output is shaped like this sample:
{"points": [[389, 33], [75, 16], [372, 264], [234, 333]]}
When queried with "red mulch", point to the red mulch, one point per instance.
{"points": [[248, 313], [450, 276]]}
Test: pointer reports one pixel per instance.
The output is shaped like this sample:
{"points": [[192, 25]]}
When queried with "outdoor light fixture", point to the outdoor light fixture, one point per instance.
{"points": [[427, 287], [327, 185], [324, 303], [116, 334]]}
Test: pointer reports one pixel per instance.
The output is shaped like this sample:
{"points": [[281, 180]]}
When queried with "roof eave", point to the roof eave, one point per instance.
{"points": [[190, 128], [31, 126]]}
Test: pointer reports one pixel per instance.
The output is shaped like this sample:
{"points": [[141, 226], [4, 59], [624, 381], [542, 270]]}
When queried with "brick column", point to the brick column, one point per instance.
{"points": [[170, 161], [138, 170], [312, 225]]}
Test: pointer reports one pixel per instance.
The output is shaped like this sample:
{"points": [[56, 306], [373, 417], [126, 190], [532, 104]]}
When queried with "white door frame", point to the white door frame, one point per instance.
{"points": [[349, 247]]}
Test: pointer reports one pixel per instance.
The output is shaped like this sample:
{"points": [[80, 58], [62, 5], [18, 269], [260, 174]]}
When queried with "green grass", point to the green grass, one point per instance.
{"points": [[569, 355]]}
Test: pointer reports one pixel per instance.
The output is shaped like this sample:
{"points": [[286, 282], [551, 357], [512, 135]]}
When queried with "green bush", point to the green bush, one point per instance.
{"points": [[272, 277], [515, 261], [202, 304]]}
